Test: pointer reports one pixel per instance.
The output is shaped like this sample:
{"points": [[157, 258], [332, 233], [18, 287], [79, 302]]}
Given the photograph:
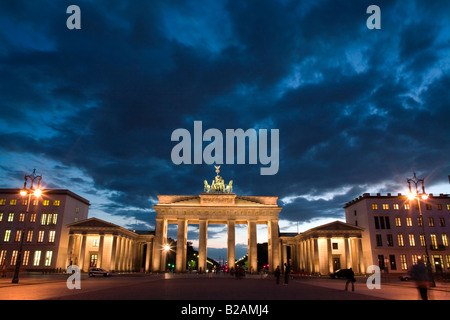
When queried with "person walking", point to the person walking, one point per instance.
{"points": [[287, 273], [350, 279], [277, 274], [420, 274]]}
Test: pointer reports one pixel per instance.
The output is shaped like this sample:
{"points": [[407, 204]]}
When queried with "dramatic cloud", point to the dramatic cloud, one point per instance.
{"points": [[93, 110]]}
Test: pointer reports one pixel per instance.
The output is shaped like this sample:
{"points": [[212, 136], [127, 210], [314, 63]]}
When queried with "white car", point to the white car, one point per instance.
{"points": [[98, 272]]}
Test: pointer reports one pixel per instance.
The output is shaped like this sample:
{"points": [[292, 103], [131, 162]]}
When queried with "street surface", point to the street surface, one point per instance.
{"points": [[202, 287]]}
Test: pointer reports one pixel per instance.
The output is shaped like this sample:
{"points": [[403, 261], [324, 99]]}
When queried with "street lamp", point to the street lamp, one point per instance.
{"points": [[37, 192], [424, 196]]}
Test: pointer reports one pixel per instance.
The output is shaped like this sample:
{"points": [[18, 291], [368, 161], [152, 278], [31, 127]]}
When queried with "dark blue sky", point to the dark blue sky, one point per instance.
{"points": [[93, 110]]}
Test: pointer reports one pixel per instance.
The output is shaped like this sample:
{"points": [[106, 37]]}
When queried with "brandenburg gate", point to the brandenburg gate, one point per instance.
{"points": [[217, 205]]}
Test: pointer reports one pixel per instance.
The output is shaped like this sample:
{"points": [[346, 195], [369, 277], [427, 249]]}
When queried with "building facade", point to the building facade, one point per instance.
{"points": [[43, 225], [398, 231]]}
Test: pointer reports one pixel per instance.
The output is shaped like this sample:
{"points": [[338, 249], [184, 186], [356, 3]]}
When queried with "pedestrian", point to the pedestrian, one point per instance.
{"points": [[420, 274], [287, 273], [350, 279], [277, 274]]}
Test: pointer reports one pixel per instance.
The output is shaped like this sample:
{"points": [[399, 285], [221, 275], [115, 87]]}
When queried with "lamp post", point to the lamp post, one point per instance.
{"points": [[24, 192], [424, 196]]}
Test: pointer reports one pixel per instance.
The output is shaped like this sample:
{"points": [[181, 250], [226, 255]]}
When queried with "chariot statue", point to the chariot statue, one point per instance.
{"points": [[218, 184]]}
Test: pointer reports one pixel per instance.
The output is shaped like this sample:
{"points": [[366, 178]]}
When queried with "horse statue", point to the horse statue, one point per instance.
{"points": [[229, 187], [217, 185], [207, 187]]}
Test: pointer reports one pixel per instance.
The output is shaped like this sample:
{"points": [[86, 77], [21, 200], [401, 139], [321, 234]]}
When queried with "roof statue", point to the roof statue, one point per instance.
{"points": [[218, 184]]}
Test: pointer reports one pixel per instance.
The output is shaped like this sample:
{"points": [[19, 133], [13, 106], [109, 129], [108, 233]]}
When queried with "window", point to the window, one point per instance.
{"points": [[419, 221], [390, 240], [392, 261], [409, 222], [14, 257], [56, 203], [400, 240], [2, 202], [385, 206], [51, 236], [48, 258], [439, 206], [407, 206], [442, 222], [428, 206], [43, 219], [37, 258], [33, 217], [7, 235], [11, 217], [26, 256], [95, 242], [434, 244], [379, 240], [445, 240], [40, 236], [375, 206], [54, 218], [412, 240], [396, 207], [18, 235], [403, 262], [398, 222], [414, 258], [46, 203], [448, 207], [24, 202], [2, 257], [430, 222], [422, 240], [21, 217], [30, 236], [12, 202], [335, 246]]}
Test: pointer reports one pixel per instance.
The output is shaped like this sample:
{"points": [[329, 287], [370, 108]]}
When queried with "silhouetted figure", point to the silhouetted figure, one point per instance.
{"points": [[277, 274], [420, 274], [350, 279]]}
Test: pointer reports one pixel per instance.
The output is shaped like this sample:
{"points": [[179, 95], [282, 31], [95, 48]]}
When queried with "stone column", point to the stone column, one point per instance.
{"points": [[147, 256], [316, 255], [362, 267], [202, 243], [181, 246], [100, 251], [274, 250], [113, 253], [231, 245], [252, 248], [158, 253], [82, 252], [330, 255], [348, 263], [69, 260]]}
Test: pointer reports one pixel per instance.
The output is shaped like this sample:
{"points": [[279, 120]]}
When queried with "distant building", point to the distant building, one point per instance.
{"points": [[46, 234], [395, 234]]}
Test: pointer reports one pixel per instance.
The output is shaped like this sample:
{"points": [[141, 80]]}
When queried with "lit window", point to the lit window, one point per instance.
{"points": [[18, 235], [448, 207], [55, 218], [2, 257], [385, 206], [51, 236], [12, 202], [434, 244], [30, 236], [2, 202], [14, 257], [7, 235], [26, 256], [374, 206], [400, 240], [407, 206], [419, 221], [422, 240], [24, 202], [48, 258], [445, 240], [1, 216], [403, 262], [37, 258], [43, 219], [56, 203], [95, 242], [398, 222], [21, 217], [430, 222], [41, 236], [409, 221], [396, 207], [46, 203], [33, 217], [11, 217], [412, 240]]}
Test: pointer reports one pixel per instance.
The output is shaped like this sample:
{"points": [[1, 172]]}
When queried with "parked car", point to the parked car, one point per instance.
{"points": [[406, 277], [341, 273], [98, 272]]}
